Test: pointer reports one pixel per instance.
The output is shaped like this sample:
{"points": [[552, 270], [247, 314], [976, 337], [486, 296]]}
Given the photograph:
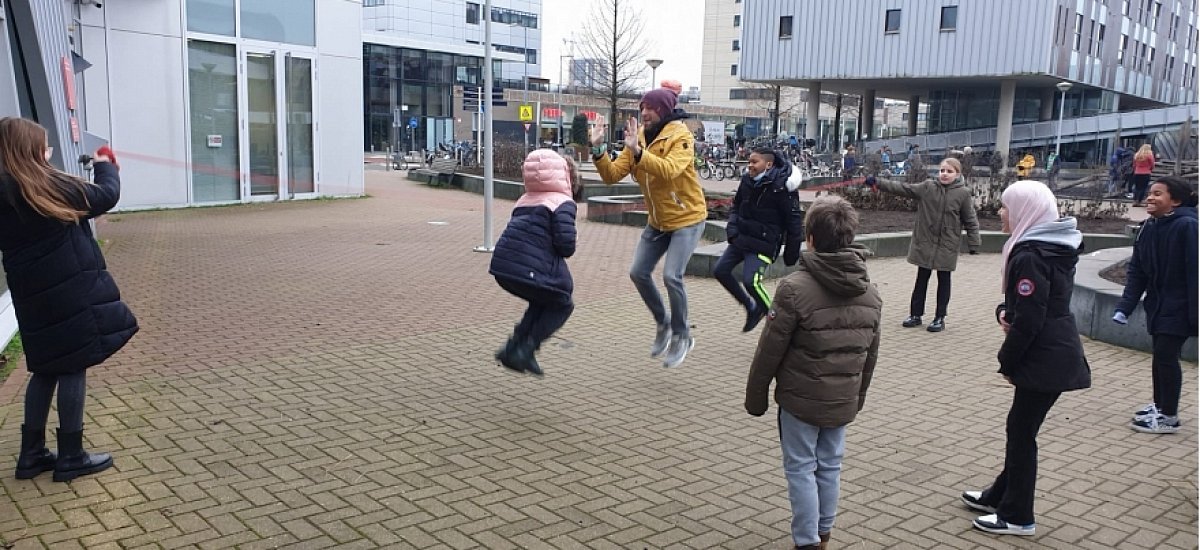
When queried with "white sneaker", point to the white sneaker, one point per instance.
{"points": [[1145, 412], [680, 346], [1157, 424], [972, 500], [662, 338], [993, 524]]}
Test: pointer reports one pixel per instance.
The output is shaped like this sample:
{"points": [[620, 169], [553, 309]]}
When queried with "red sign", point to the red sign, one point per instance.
{"points": [[591, 115], [551, 112], [74, 129], [68, 82]]}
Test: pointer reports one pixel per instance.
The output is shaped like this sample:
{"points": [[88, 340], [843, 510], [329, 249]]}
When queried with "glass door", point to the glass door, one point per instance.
{"points": [[279, 125], [262, 125], [298, 100]]}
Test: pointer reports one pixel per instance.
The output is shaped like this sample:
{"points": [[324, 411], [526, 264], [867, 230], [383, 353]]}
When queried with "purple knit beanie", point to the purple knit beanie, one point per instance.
{"points": [[661, 101]]}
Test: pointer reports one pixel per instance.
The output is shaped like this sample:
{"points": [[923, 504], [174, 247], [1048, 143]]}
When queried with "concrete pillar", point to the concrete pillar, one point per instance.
{"points": [[1008, 94], [914, 103], [812, 128], [866, 118], [1047, 112]]}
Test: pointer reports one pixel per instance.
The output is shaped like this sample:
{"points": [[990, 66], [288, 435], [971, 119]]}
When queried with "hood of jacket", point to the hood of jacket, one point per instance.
{"points": [[843, 272], [1178, 213], [547, 180], [1061, 232]]}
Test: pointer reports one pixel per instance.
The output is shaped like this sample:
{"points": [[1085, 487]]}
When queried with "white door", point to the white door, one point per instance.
{"points": [[278, 128]]}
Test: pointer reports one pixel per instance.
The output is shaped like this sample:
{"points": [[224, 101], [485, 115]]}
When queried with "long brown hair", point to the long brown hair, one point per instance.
{"points": [[44, 187]]}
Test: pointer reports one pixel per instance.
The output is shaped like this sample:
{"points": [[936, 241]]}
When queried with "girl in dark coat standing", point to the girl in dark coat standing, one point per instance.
{"points": [[530, 257], [68, 308], [1163, 267], [1041, 355]]}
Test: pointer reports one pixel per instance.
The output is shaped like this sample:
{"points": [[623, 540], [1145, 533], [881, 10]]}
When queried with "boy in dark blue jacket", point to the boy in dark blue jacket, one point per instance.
{"points": [[765, 215]]}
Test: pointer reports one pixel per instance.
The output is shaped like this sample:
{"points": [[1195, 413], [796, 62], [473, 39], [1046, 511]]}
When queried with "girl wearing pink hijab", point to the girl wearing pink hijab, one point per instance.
{"points": [[1041, 355]]}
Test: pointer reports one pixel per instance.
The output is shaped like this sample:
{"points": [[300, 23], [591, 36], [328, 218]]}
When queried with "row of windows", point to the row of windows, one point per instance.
{"points": [[502, 15], [891, 22], [750, 93]]}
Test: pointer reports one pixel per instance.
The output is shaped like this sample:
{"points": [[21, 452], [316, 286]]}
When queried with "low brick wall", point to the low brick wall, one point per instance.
{"points": [[1095, 299]]}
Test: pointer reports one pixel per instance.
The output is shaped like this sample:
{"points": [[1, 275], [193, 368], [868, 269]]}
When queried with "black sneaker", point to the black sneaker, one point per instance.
{"points": [[912, 321], [993, 524], [938, 325], [753, 317]]}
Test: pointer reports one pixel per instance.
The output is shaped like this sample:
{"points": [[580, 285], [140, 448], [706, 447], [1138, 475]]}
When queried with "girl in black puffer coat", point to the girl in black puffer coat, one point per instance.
{"points": [[1163, 267], [530, 257], [68, 308]]}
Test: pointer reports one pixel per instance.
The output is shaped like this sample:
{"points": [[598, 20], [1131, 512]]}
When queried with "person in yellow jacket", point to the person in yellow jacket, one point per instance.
{"points": [[659, 155], [1025, 166]]}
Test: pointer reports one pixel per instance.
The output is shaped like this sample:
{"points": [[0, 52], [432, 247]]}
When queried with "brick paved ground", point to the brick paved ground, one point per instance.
{"points": [[319, 374]]}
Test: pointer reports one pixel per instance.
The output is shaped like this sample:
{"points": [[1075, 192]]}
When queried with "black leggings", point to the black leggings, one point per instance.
{"points": [[1166, 374], [71, 391], [1141, 182], [917, 306]]}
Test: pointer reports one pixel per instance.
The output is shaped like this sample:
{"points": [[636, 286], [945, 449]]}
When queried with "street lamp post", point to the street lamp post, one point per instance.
{"points": [[1062, 105], [485, 101], [653, 63], [561, 85], [525, 86]]}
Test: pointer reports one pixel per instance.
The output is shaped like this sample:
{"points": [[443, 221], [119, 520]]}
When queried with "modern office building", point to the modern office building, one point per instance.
{"points": [[416, 51], [980, 63], [205, 101], [722, 83]]}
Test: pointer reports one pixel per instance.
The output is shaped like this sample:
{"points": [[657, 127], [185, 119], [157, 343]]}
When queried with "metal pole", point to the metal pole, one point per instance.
{"points": [[1062, 105], [486, 144], [525, 88], [560, 94]]}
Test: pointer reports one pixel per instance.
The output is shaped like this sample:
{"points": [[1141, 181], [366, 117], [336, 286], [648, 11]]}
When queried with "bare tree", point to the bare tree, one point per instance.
{"points": [[778, 101], [613, 35]]}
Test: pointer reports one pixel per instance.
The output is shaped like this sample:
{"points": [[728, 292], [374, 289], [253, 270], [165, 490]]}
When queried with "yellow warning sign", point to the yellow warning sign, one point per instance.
{"points": [[526, 113]]}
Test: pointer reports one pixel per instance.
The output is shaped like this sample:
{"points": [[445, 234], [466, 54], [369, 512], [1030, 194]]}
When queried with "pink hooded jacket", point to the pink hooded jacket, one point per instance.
{"points": [[547, 180]]}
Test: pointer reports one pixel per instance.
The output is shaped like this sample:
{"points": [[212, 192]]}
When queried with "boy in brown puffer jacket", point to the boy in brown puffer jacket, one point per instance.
{"points": [[819, 346]]}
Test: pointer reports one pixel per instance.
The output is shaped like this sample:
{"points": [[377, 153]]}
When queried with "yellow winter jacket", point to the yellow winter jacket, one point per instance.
{"points": [[1025, 166], [666, 174]]}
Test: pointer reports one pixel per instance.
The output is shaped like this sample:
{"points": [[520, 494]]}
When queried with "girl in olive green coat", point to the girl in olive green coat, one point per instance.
{"points": [[944, 208]]}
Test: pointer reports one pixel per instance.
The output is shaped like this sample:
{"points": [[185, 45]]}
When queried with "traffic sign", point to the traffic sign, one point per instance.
{"points": [[526, 113], [527, 126], [412, 122]]}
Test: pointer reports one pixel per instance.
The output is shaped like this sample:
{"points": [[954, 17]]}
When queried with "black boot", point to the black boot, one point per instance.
{"points": [[505, 355], [912, 321], [938, 325], [523, 357], [35, 458], [73, 461]]}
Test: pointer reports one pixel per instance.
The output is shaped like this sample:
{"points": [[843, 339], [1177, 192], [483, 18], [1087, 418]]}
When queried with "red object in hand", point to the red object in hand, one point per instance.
{"points": [[108, 152]]}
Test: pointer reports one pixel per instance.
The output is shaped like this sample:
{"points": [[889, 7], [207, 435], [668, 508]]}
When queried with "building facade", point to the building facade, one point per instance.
{"points": [[214, 101], [415, 52], [978, 63]]}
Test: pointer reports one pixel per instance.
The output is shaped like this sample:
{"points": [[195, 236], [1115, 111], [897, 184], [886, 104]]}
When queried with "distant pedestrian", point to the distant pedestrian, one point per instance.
{"points": [[819, 347], [660, 154], [1041, 356], [1163, 268], [944, 208], [69, 310], [1025, 166], [530, 257], [1143, 164], [765, 215], [1116, 180]]}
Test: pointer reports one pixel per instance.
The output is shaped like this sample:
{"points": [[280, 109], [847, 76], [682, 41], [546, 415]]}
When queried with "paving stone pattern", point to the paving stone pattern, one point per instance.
{"points": [[319, 374]]}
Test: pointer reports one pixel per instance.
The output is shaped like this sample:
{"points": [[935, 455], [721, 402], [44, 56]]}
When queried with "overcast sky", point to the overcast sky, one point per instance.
{"points": [[673, 33]]}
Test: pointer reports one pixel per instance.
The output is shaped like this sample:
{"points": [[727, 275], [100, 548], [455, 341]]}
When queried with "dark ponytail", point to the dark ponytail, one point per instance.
{"points": [[1180, 189]]}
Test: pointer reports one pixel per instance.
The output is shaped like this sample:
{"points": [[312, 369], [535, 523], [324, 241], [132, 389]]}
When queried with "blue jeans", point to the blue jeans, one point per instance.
{"points": [[678, 247], [812, 461]]}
